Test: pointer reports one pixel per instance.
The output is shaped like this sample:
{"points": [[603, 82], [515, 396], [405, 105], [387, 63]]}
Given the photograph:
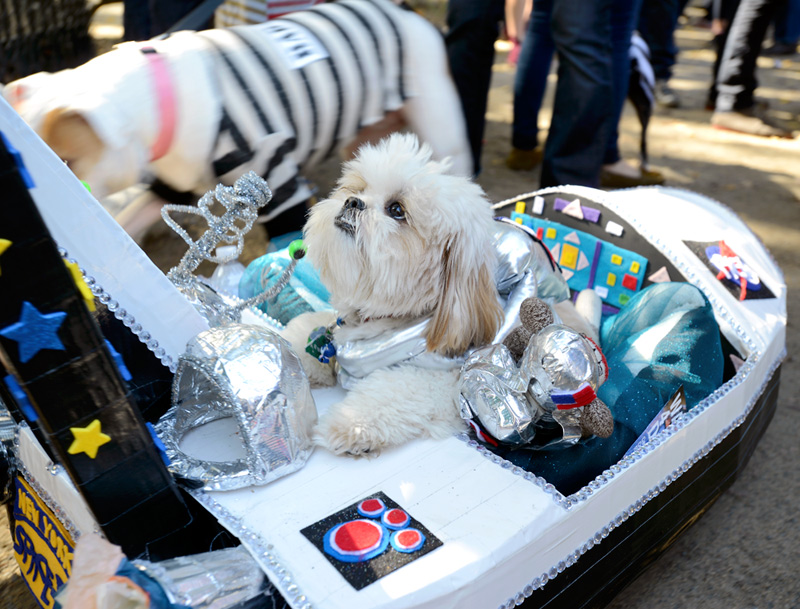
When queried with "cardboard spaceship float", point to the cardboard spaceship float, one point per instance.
{"points": [[449, 523]]}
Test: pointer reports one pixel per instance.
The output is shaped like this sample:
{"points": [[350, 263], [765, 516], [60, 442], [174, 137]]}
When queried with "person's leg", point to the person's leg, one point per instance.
{"points": [[623, 20], [530, 83], [736, 80], [719, 47], [617, 173], [792, 30], [657, 22], [166, 13], [582, 110], [787, 29], [473, 27], [136, 20], [724, 11]]}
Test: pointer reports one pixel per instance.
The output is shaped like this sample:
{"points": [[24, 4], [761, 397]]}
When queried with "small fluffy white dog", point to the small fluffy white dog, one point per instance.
{"points": [[398, 241]]}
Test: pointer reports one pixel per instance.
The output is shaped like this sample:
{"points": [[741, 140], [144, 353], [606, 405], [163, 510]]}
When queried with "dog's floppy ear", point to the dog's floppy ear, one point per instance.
{"points": [[468, 312], [70, 136]]}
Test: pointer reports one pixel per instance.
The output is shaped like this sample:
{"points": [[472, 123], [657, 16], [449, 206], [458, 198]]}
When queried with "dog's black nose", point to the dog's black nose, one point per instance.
{"points": [[354, 203]]}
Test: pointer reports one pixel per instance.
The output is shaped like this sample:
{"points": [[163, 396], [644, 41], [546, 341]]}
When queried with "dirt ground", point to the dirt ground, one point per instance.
{"points": [[745, 551]]}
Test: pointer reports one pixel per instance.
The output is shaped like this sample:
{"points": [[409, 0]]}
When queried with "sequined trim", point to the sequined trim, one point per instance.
{"points": [[259, 549], [121, 314]]}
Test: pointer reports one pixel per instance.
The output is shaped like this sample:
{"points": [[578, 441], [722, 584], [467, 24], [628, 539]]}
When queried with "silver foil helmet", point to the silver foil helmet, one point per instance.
{"points": [[250, 375]]}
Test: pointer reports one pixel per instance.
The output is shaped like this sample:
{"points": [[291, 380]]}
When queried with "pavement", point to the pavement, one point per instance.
{"points": [[744, 552]]}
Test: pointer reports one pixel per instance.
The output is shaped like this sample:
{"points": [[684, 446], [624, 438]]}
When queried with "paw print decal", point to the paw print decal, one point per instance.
{"points": [[370, 539]]}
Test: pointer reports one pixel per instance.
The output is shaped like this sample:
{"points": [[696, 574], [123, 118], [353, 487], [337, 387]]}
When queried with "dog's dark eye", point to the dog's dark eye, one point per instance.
{"points": [[396, 211]]}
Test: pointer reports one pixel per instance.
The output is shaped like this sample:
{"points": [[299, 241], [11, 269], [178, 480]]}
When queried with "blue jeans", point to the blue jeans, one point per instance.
{"points": [[787, 23], [593, 39], [624, 16], [530, 80], [657, 22], [473, 27], [736, 79]]}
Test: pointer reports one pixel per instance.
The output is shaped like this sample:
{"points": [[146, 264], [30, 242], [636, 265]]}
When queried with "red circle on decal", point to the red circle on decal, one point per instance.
{"points": [[357, 535], [372, 508], [408, 538], [396, 517], [372, 505]]}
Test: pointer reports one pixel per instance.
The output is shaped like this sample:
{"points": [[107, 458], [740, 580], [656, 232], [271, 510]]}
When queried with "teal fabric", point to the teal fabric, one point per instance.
{"points": [[304, 293], [664, 338]]}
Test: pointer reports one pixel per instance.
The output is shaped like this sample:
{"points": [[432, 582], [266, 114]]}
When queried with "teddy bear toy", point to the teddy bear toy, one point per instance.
{"points": [[544, 373]]}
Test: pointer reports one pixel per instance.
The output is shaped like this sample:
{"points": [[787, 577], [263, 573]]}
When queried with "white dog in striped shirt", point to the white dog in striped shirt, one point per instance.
{"points": [[195, 109]]}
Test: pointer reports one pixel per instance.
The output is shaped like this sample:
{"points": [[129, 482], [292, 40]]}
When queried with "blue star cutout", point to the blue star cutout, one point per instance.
{"points": [[35, 331]]}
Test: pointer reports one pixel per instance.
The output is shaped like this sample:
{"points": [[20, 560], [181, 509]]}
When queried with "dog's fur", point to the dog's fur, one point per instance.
{"points": [[397, 241], [102, 117]]}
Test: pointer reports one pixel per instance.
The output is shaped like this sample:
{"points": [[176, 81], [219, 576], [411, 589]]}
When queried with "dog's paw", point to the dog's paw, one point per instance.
{"points": [[342, 437]]}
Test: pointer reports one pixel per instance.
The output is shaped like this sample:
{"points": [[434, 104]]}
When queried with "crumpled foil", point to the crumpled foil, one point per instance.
{"points": [[212, 580], [558, 359], [514, 402], [356, 359], [524, 269], [251, 374], [216, 307], [492, 389]]}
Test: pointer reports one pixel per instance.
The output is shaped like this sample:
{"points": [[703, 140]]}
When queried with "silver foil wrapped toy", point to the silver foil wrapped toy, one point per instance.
{"points": [[543, 375]]}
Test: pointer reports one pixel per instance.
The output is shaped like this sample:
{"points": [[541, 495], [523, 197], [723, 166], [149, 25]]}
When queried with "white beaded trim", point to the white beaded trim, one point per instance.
{"points": [[126, 318], [260, 550]]}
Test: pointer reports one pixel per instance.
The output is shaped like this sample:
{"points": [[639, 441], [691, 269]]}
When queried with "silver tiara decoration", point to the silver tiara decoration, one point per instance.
{"points": [[241, 202]]}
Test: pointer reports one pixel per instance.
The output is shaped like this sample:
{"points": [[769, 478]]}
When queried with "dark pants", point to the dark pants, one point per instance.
{"points": [[144, 19], [736, 79], [473, 27], [530, 80], [624, 15], [534, 65], [725, 10], [583, 107], [787, 23], [657, 22]]}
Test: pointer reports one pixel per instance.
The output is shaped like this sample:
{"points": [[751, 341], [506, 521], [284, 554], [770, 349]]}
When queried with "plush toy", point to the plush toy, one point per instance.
{"points": [[565, 367]]}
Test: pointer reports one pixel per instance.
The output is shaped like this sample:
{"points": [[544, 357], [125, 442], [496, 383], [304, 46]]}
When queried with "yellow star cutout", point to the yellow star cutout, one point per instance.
{"points": [[77, 277], [4, 245], [88, 439]]}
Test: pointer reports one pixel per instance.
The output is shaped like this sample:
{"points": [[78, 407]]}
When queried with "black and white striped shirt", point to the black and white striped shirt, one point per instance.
{"points": [[295, 89]]}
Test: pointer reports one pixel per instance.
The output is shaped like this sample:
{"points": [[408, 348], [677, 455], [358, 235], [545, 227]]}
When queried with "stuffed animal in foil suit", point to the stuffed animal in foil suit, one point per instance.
{"points": [[543, 373]]}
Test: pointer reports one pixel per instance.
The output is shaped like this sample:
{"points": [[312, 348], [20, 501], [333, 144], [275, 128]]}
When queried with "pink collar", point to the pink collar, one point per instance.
{"points": [[166, 102]]}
